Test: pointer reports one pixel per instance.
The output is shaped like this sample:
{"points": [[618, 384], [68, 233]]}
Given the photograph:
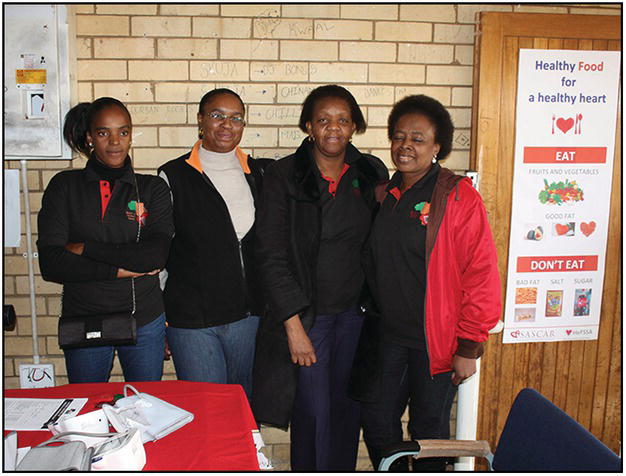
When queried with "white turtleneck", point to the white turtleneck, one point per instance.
{"points": [[224, 171]]}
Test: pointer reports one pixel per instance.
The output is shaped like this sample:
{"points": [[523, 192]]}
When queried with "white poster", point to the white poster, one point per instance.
{"points": [[11, 208], [565, 140]]}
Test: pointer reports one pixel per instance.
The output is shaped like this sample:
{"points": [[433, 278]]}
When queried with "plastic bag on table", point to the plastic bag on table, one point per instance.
{"points": [[154, 417]]}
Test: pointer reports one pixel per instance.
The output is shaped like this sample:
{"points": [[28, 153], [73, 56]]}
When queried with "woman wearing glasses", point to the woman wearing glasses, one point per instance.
{"points": [[211, 289]]}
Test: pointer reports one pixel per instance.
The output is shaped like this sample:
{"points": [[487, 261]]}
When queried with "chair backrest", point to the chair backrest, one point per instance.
{"points": [[539, 436]]}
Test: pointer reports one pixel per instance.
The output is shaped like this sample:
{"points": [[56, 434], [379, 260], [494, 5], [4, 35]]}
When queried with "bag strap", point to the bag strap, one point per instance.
{"points": [[132, 280], [129, 386]]}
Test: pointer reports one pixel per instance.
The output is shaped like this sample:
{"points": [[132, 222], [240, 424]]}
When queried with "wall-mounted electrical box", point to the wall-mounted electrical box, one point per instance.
{"points": [[36, 81]]}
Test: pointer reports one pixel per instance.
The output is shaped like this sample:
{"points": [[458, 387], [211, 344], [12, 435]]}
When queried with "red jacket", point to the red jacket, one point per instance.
{"points": [[463, 295]]}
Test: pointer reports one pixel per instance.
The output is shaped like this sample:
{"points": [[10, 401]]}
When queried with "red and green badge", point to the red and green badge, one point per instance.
{"points": [[136, 211], [423, 208]]}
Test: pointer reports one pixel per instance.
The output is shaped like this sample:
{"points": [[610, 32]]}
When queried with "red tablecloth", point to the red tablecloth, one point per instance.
{"points": [[219, 437]]}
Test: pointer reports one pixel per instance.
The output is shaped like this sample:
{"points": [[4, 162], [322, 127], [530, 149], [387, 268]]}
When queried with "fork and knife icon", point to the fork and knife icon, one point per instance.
{"points": [[577, 125]]}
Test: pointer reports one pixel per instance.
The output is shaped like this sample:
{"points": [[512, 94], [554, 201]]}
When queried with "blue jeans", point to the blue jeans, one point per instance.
{"points": [[141, 362], [325, 421], [218, 354]]}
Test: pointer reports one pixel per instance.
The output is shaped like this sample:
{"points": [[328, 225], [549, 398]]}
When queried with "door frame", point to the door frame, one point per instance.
{"points": [[493, 117]]}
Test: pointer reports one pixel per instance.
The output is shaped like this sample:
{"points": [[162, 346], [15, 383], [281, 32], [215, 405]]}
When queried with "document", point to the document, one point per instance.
{"points": [[34, 414]]}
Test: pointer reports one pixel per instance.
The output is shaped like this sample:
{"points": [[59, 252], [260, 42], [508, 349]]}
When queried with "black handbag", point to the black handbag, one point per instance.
{"points": [[104, 329], [115, 328]]}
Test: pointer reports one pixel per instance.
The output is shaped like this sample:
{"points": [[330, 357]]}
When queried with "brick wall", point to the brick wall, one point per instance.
{"points": [[160, 59]]}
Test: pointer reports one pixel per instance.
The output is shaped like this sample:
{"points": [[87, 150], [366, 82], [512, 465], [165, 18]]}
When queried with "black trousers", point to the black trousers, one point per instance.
{"points": [[406, 379], [325, 422]]}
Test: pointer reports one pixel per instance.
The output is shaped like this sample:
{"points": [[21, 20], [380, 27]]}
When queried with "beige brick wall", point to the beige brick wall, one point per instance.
{"points": [[160, 59]]}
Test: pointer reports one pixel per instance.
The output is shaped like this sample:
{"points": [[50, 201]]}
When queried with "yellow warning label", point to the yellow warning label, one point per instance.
{"points": [[30, 76]]}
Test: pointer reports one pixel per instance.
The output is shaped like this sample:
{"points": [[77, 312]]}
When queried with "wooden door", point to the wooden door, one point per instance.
{"points": [[581, 377]]}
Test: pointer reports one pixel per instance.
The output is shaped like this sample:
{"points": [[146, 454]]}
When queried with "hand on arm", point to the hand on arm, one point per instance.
{"points": [[76, 248], [300, 347], [124, 273]]}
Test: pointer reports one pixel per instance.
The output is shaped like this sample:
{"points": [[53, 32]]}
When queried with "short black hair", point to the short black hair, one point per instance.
{"points": [[78, 122], [216, 92], [434, 111], [331, 91]]}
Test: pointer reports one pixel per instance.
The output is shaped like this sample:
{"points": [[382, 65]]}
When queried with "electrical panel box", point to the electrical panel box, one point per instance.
{"points": [[36, 81]]}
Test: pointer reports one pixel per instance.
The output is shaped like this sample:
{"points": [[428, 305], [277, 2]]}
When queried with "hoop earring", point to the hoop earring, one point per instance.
{"points": [[311, 139], [200, 132], [90, 145]]}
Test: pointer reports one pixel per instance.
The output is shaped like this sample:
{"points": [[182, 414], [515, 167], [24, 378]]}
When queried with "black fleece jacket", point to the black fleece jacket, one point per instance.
{"points": [[212, 279]]}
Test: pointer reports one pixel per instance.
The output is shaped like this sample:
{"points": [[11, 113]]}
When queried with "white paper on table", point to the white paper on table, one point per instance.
{"points": [[34, 414]]}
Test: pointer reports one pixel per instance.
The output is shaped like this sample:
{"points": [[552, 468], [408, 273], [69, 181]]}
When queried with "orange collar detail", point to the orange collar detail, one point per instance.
{"points": [[243, 160], [194, 158]]}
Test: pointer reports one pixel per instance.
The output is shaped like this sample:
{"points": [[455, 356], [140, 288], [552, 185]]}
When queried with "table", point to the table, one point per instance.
{"points": [[219, 438]]}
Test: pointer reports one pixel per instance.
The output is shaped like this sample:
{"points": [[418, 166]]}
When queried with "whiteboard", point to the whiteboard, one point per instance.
{"points": [[35, 46]]}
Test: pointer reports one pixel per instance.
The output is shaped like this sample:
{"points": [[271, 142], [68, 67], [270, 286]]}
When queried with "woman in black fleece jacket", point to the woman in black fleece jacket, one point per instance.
{"points": [[104, 233]]}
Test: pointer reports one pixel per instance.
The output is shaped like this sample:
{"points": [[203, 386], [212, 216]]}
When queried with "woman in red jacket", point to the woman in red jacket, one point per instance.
{"points": [[435, 278]]}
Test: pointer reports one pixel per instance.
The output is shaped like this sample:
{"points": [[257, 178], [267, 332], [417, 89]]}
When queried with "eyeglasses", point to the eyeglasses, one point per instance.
{"points": [[236, 121]]}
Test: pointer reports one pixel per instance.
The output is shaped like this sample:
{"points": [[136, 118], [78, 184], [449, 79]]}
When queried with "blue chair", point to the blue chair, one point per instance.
{"points": [[537, 436]]}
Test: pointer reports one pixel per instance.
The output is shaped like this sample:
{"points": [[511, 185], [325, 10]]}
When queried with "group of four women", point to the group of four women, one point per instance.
{"points": [[271, 269]]}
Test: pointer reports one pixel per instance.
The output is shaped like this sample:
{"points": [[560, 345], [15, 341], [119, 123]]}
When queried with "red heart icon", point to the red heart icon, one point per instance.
{"points": [[565, 124], [588, 228], [568, 331], [561, 229]]}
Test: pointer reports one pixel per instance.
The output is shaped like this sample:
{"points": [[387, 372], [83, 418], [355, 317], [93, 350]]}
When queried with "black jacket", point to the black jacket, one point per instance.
{"points": [[71, 212], [288, 231], [211, 276]]}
